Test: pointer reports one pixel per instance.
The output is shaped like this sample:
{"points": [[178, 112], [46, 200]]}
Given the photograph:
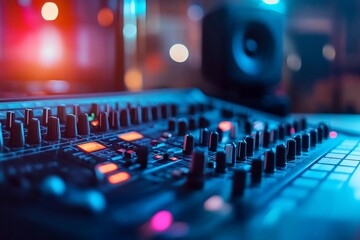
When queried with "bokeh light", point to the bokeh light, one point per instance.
{"points": [[195, 13], [329, 52], [49, 11], [179, 53], [271, 2], [293, 62], [134, 79], [161, 221], [105, 17], [130, 31]]}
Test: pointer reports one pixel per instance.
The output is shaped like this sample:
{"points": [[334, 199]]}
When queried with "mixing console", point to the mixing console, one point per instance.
{"points": [[171, 164]]}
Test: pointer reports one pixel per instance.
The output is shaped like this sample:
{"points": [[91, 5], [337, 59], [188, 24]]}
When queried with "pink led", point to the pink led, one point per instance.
{"points": [[292, 130], [333, 134], [161, 221]]}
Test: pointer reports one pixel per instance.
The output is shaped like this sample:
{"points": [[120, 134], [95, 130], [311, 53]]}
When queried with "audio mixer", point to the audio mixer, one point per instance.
{"points": [[171, 164]]}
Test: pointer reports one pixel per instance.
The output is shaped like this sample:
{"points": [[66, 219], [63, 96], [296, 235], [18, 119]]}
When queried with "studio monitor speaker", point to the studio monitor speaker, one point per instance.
{"points": [[242, 46]]}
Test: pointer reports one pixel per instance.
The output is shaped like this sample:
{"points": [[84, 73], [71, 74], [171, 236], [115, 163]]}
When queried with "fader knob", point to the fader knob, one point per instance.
{"points": [[29, 114], [303, 123], [280, 155], [241, 150], [248, 126], [320, 135], [257, 140], [94, 109], [291, 149], [221, 133], [188, 144], [135, 115], [192, 123], [34, 133], [155, 113], [203, 122], [10, 118], [103, 122], [296, 126], [220, 159], [249, 145], [124, 117], [195, 178], [171, 125], [61, 113], [173, 110], [313, 137], [71, 126], [45, 116], [282, 129], [326, 130], [182, 127], [297, 139], [142, 153], [145, 114], [83, 124], [114, 121], [213, 141], [256, 170], [230, 150], [305, 142], [233, 130], [76, 109], [239, 183], [17, 138], [53, 131], [266, 139], [164, 111], [269, 162], [204, 137]]}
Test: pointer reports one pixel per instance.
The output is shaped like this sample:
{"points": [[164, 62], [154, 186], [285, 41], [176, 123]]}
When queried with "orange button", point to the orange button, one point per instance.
{"points": [[91, 146], [118, 177], [130, 136], [107, 167]]}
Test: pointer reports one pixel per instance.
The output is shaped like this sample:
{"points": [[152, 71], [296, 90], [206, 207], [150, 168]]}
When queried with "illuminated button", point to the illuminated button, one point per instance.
{"points": [[225, 126], [130, 136], [118, 177], [91, 147], [107, 168], [130, 153], [95, 123]]}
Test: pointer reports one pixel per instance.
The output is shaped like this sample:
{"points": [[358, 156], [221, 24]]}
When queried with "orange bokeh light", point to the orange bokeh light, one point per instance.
{"points": [[105, 17], [130, 136], [91, 146], [107, 167], [225, 126], [118, 177]]}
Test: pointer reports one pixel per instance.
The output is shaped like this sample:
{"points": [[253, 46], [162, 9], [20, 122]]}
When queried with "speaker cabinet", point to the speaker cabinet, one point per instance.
{"points": [[242, 46]]}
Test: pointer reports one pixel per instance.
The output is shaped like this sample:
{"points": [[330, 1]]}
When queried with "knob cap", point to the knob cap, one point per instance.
{"points": [[192, 123], [103, 122], [83, 124], [239, 183], [303, 124], [296, 126], [76, 109], [17, 138], [275, 135], [326, 130], [230, 150], [241, 150], [305, 142], [281, 155], [145, 116], [297, 139], [221, 133], [135, 115], [320, 135], [266, 139], [248, 126], [155, 113], [269, 162], [249, 145], [142, 153], [257, 140], [10, 118], [233, 130], [71, 126], [53, 131], [204, 137], [94, 109], [171, 124], [45, 116], [29, 114], [188, 144], [182, 127], [220, 159], [114, 120], [195, 178], [256, 171], [164, 111], [213, 141], [291, 149], [124, 118], [34, 132], [61, 113], [282, 129], [174, 110], [313, 137]]}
